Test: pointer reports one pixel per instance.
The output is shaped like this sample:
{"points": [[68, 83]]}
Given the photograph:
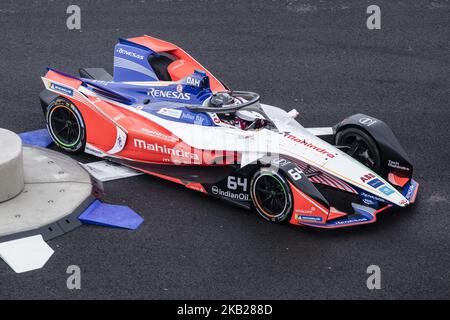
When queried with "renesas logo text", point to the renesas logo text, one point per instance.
{"points": [[228, 194], [61, 89], [157, 93], [130, 53], [309, 145], [154, 147]]}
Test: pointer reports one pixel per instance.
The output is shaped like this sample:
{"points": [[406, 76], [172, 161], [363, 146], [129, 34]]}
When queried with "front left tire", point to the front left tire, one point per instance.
{"points": [[271, 195]]}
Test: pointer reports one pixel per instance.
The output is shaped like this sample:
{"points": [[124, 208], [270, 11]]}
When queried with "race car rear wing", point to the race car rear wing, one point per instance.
{"points": [[67, 85]]}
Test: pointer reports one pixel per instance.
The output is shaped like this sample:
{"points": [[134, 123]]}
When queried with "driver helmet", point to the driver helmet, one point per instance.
{"points": [[249, 115], [221, 99]]}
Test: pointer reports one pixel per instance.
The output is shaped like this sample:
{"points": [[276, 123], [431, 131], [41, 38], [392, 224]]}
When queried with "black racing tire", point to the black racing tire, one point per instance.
{"points": [[66, 126], [360, 146], [271, 195]]}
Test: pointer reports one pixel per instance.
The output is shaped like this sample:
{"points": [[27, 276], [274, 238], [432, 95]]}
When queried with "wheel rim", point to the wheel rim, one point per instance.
{"points": [[270, 195], [65, 126], [359, 149]]}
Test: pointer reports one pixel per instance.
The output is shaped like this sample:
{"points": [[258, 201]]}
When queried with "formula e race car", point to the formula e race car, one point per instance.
{"points": [[164, 114]]}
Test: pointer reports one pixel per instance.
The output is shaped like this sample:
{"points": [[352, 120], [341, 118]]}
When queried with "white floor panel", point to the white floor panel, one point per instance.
{"points": [[26, 254]]}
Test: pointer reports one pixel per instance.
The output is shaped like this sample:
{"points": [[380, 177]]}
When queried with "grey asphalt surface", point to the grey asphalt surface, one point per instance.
{"points": [[316, 56]]}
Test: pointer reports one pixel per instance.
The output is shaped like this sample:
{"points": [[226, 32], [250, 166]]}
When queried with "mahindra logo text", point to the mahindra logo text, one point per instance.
{"points": [[309, 145], [154, 147]]}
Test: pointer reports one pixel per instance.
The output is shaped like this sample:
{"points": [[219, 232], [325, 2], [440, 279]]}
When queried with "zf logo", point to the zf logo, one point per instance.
{"points": [[367, 121], [235, 182]]}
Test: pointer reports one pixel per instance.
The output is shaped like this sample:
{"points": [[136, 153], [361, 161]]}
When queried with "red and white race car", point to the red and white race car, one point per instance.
{"points": [[164, 114]]}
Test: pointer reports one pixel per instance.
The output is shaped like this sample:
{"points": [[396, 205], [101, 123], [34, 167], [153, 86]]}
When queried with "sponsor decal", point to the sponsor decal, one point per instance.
{"points": [[367, 177], [130, 53], [356, 220], [62, 89], [309, 218], [228, 194], [88, 149], [154, 147], [215, 118], [310, 211], [179, 88], [120, 142], [174, 113], [410, 191], [367, 121], [386, 190], [369, 202], [309, 145], [295, 173], [366, 195], [160, 135], [375, 183], [158, 93], [119, 117], [193, 82], [193, 117], [233, 183], [281, 162], [396, 165]]}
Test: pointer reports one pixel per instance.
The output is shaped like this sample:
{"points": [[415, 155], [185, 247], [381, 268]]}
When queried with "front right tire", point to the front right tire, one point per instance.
{"points": [[360, 146]]}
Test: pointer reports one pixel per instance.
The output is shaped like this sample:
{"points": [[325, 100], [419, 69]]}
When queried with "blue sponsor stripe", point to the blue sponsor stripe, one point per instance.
{"points": [[375, 183], [386, 190], [311, 218]]}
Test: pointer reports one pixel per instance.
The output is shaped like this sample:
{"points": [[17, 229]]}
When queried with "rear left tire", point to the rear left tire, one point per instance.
{"points": [[66, 125]]}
